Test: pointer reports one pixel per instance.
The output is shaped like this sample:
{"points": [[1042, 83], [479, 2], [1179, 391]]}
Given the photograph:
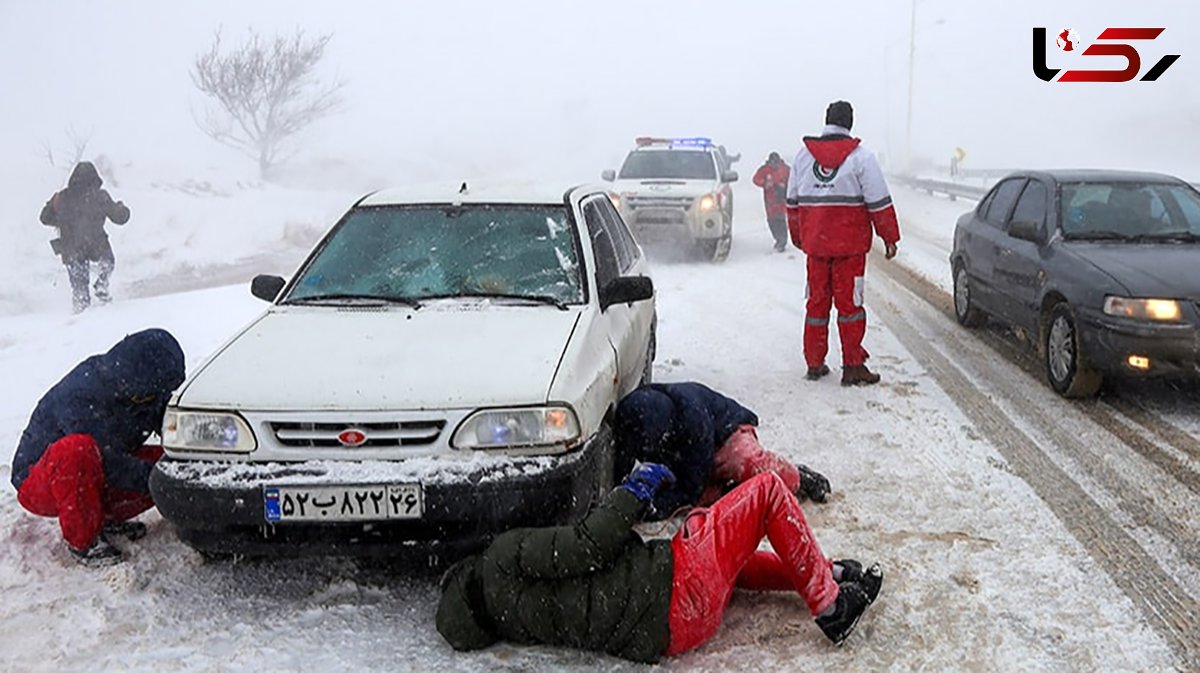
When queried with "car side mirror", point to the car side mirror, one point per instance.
{"points": [[729, 176], [608, 175], [1026, 231], [626, 290], [266, 287]]}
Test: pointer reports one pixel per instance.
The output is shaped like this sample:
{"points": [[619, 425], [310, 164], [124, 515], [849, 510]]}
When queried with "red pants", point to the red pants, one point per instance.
{"points": [[717, 550], [68, 482], [835, 281], [742, 457]]}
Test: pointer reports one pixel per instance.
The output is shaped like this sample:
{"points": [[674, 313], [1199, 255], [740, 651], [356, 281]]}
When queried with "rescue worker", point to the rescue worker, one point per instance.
{"points": [[836, 197], [598, 586], [707, 439], [82, 458], [772, 178], [79, 213]]}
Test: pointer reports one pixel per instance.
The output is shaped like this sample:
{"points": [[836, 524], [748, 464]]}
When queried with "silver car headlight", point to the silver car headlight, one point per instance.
{"points": [[1162, 310], [708, 202], [550, 427], [207, 431]]}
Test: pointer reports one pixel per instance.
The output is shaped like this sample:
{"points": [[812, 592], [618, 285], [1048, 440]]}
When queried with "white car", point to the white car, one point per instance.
{"points": [[677, 190], [443, 366]]}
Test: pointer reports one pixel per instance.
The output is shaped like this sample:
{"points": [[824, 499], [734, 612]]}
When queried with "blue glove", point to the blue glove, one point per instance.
{"points": [[646, 479]]}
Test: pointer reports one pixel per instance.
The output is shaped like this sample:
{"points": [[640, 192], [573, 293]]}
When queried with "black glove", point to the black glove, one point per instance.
{"points": [[812, 484]]}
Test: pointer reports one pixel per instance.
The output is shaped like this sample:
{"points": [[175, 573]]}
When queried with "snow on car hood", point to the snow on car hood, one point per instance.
{"points": [[665, 187], [1170, 270], [444, 356]]}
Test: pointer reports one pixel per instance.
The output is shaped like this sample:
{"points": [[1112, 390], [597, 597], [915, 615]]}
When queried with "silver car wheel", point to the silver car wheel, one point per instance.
{"points": [[962, 293], [1061, 347]]}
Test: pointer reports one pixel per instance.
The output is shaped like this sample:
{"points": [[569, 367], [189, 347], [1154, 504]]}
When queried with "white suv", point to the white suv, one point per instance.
{"points": [[443, 366], [677, 190]]}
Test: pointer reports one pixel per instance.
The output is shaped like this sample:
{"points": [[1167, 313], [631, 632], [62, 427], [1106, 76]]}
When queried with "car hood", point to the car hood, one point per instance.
{"points": [[665, 187], [1169, 270], [351, 358]]}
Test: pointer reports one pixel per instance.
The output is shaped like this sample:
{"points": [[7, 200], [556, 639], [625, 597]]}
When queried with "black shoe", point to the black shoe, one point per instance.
{"points": [[815, 373], [130, 530], [852, 601], [870, 579], [858, 375], [813, 484], [99, 555]]}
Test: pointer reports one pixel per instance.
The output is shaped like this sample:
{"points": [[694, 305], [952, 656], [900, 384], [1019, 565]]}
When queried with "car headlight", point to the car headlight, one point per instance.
{"points": [[524, 428], [207, 431], [707, 202], [1165, 310]]}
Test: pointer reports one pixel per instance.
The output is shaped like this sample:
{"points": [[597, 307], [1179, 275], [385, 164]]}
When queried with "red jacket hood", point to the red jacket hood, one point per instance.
{"points": [[831, 152]]}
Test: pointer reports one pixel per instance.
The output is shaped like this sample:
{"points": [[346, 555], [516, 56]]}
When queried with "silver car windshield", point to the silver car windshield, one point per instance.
{"points": [[410, 253], [1130, 210], [669, 165]]}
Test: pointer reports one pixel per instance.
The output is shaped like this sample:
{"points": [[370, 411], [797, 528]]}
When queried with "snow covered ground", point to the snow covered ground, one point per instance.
{"points": [[980, 573]]}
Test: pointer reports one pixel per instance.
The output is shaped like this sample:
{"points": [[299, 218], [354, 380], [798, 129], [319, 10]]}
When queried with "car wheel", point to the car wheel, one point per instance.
{"points": [[964, 307], [1066, 368]]}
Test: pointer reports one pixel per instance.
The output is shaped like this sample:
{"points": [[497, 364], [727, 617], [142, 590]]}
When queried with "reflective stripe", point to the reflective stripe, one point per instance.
{"points": [[880, 204], [817, 322], [829, 200], [857, 316]]}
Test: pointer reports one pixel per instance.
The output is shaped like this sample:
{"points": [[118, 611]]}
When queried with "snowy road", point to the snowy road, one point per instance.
{"points": [[1018, 531]]}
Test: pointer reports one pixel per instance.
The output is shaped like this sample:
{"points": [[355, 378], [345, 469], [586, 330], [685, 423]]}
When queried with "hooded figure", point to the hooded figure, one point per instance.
{"points": [[82, 456], [79, 212], [772, 178]]}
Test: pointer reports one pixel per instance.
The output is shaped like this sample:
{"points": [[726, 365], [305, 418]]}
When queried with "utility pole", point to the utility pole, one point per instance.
{"points": [[912, 52]]}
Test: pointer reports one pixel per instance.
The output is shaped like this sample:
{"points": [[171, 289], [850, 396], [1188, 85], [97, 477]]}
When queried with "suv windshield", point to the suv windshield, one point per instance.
{"points": [[1129, 210], [409, 253], [668, 165]]}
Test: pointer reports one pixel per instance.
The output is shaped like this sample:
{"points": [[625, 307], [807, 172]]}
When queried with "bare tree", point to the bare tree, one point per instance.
{"points": [[66, 157], [265, 93]]}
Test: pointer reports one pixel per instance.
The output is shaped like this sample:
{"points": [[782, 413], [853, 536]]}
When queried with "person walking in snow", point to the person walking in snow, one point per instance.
{"points": [[772, 178], [79, 212], [598, 586], [82, 458], [707, 439], [836, 198]]}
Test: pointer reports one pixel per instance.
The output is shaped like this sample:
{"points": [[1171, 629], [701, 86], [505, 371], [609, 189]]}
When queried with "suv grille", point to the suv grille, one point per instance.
{"points": [[666, 202], [406, 433]]}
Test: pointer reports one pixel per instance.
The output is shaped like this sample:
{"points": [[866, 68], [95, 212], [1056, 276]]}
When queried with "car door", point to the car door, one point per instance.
{"points": [[618, 318], [1020, 267], [984, 243], [642, 316]]}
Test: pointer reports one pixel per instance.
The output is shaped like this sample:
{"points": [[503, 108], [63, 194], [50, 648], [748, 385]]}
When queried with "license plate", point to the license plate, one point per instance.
{"points": [[378, 502]]}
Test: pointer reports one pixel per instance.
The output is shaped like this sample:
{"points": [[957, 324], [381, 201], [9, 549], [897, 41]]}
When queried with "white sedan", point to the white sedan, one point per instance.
{"points": [[443, 366]]}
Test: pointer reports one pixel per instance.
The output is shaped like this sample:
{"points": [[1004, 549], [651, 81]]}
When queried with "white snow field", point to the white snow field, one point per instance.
{"points": [[981, 575]]}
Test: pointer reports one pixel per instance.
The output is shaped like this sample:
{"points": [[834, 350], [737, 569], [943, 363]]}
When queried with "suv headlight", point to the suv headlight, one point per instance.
{"points": [[1164, 310], [207, 431], [524, 428], [708, 202]]}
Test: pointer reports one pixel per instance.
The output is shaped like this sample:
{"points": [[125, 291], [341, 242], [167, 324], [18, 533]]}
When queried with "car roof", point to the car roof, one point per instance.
{"points": [[1097, 175], [478, 192]]}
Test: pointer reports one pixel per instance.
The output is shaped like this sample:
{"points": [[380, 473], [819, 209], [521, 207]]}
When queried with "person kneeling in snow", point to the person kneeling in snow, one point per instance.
{"points": [[708, 440], [598, 586], [82, 457]]}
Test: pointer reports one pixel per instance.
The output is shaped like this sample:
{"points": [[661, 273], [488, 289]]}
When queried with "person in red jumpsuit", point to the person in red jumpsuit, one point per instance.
{"points": [[772, 178]]}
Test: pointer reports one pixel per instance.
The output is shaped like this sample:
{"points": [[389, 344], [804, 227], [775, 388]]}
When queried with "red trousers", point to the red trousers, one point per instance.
{"points": [[68, 482], [742, 457], [835, 281], [716, 550]]}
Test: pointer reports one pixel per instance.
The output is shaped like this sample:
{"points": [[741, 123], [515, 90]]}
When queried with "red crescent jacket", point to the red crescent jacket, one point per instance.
{"points": [[837, 197], [772, 177]]}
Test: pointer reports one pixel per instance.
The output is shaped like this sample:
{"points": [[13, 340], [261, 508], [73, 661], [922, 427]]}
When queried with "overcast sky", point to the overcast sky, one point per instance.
{"points": [[549, 88]]}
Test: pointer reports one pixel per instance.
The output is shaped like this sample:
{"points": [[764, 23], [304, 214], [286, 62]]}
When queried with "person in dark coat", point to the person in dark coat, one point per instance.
{"points": [[707, 439], [79, 213], [598, 586], [82, 458], [772, 178]]}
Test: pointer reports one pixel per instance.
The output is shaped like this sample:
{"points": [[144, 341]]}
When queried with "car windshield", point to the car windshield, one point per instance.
{"points": [[1119, 210], [668, 165], [409, 253]]}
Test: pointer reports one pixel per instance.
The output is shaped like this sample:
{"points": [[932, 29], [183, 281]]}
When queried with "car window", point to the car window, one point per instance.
{"points": [[1002, 202], [982, 208], [607, 266], [1031, 207], [669, 165], [1143, 209], [626, 246], [412, 252]]}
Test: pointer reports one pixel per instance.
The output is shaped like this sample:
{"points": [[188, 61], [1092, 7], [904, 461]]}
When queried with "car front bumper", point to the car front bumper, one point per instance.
{"points": [[662, 225], [1108, 344], [218, 507]]}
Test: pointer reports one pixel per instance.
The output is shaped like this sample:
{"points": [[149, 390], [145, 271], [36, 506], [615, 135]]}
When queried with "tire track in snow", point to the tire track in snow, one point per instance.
{"points": [[1166, 606]]}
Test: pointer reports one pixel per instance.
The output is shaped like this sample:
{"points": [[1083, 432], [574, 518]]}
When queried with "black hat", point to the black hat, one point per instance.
{"points": [[774, 156], [839, 113]]}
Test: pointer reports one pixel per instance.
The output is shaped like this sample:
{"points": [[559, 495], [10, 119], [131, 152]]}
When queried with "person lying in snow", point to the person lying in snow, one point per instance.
{"points": [[598, 586], [82, 457], [708, 440]]}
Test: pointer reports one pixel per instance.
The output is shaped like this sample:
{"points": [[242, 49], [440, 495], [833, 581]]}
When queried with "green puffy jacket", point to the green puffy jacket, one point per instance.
{"points": [[595, 586]]}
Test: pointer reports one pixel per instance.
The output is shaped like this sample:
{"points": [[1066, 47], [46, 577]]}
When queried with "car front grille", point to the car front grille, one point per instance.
{"points": [[316, 435], [659, 202]]}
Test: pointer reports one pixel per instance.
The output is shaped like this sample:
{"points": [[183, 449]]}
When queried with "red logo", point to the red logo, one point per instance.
{"points": [[352, 437], [1107, 44]]}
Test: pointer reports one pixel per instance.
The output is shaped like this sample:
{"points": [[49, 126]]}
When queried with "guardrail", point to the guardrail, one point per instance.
{"points": [[952, 189]]}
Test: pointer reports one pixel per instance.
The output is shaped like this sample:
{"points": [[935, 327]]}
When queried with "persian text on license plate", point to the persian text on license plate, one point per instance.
{"points": [[377, 502]]}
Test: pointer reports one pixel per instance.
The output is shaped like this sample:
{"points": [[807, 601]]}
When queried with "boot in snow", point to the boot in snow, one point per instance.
{"points": [[871, 579], [813, 484], [858, 375], [99, 555], [852, 601], [130, 530], [815, 373]]}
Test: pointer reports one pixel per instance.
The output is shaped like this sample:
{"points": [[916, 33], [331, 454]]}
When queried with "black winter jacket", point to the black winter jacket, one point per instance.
{"points": [[79, 212]]}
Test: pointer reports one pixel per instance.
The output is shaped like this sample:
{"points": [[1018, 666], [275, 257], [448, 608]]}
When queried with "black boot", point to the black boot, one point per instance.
{"points": [[813, 484], [130, 530], [815, 373], [99, 555], [858, 375], [852, 601], [870, 579]]}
